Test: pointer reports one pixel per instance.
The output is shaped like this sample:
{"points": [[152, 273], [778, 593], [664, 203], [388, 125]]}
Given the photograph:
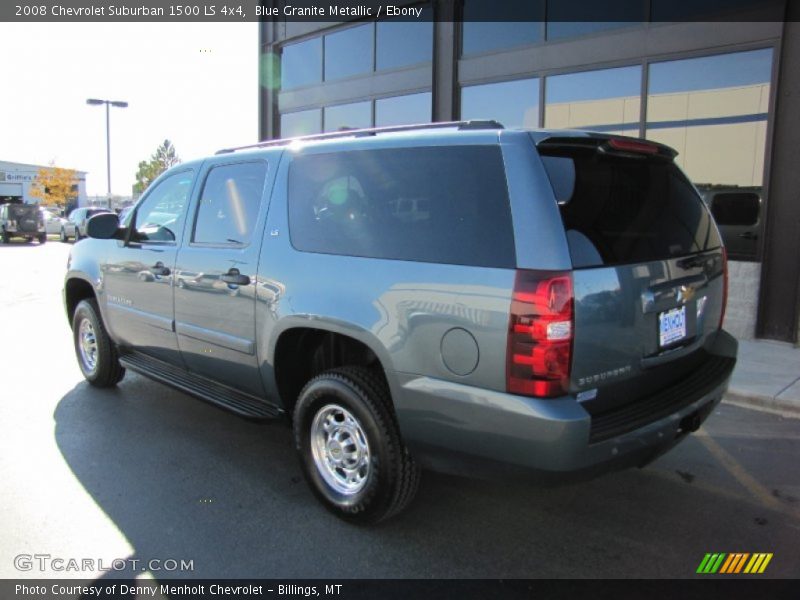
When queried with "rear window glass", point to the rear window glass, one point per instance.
{"points": [[445, 205], [619, 210]]}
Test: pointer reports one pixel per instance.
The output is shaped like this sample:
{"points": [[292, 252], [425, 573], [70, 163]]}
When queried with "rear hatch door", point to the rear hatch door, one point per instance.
{"points": [[648, 267]]}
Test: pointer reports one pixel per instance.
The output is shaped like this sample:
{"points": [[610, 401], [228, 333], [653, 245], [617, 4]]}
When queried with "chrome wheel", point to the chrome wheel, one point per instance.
{"points": [[340, 449], [87, 345]]}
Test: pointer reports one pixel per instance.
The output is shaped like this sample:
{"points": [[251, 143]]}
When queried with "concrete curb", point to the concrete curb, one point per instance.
{"points": [[785, 407]]}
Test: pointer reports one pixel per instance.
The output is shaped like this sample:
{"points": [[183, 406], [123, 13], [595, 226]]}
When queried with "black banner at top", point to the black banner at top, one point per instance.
{"points": [[615, 11]]}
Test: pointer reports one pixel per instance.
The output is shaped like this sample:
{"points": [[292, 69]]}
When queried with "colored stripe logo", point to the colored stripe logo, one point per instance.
{"points": [[734, 563]]}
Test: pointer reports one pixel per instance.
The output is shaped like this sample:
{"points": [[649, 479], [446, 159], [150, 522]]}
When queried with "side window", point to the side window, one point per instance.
{"points": [[159, 216], [228, 207], [443, 205]]}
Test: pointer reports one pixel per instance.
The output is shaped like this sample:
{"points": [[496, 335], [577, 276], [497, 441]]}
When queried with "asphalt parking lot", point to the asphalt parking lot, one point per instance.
{"points": [[146, 472]]}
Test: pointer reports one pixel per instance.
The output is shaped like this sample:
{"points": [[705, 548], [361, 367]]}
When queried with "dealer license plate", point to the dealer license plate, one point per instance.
{"points": [[671, 326]]}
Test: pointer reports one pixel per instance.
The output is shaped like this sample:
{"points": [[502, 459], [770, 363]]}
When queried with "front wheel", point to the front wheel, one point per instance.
{"points": [[350, 446], [97, 356]]}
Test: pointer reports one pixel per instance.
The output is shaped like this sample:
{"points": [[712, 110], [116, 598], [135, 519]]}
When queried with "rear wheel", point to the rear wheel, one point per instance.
{"points": [[42, 238], [5, 237], [350, 446], [97, 356]]}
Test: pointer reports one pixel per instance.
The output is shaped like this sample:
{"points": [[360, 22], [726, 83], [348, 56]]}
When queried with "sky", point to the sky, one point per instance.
{"points": [[195, 84]]}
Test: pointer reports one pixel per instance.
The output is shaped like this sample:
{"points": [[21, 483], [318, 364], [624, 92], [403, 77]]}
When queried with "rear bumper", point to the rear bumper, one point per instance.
{"points": [[447, 424]]}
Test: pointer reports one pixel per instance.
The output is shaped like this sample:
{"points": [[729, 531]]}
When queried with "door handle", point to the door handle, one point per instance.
{"points": [[159, 269], [748, 235], [233, 276]]}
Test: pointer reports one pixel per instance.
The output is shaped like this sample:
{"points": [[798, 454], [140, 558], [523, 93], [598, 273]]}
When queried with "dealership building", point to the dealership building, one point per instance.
{"points": [[16, 180], [725, 94]]}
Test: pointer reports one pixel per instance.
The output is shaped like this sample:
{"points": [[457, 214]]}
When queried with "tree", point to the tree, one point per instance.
{"points": [[55, 186], [162, 159]]}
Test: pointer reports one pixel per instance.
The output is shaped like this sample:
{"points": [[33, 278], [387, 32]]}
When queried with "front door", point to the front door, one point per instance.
{"points": [[215, 276], [138, 275]]}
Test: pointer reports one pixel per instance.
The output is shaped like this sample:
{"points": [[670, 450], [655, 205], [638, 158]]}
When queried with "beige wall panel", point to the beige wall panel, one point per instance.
{"points": [[725, 102], [668, 107], [721, 154]]}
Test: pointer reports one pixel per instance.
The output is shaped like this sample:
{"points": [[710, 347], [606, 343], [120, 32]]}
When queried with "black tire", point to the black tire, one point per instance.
{"points": [[6, 238], [392, 477], [77, 234], [42, 238], [63, 236], [104, 370]]}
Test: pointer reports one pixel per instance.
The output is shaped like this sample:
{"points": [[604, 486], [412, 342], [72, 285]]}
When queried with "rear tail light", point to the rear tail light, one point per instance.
{"points": [[540, 334], [724, 285]]}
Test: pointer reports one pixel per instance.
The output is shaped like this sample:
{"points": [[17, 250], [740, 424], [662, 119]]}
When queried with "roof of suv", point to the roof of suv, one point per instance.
{"points": [[440, 130]]}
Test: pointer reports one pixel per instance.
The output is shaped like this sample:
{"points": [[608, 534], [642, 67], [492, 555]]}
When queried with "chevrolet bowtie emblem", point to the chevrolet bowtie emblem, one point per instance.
{"points": [[685, 293]]}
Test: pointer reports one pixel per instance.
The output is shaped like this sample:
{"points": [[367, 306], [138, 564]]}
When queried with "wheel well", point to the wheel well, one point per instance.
{"points": [[75, 291], [303, 353]]}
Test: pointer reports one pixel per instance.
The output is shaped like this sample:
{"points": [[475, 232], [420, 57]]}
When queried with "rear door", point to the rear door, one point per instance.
{"points": [[648, 267], [215, 285]]}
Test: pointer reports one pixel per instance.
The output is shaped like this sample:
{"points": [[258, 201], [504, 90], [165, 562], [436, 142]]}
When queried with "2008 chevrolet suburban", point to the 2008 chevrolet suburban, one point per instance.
{"points": [[422, 295]]}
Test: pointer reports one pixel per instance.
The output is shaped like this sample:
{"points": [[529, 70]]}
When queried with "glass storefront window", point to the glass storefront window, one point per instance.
{"points": [[304, 122], [356, 115], [404, 43], [484, 29], [349, 52], [512, 103], [607, 100], [403, 110], [697, 10], [714, 111], [301, 64], [584, 17]]}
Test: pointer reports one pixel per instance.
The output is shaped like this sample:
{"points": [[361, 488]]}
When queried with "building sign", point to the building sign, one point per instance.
{"points": [[17, 177]]}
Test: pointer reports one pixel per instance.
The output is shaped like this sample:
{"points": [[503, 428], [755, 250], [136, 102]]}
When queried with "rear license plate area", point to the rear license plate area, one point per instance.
{"points": [[671, 326]]}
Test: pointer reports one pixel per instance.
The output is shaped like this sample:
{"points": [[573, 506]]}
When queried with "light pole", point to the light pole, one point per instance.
{"points": [[119, 104]]}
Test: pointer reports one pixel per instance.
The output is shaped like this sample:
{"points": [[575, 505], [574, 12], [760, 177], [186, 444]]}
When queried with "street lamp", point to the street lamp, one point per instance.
{"points": [[118, 104]]}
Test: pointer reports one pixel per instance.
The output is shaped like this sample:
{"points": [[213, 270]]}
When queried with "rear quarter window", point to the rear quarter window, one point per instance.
{"points": [[435, 204]]}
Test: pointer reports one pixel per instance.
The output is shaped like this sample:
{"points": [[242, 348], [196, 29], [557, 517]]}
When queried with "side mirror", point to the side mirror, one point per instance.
{"points": [[104, 226]]}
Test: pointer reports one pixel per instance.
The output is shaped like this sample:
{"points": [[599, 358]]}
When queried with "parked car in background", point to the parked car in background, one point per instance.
{"points": [[737, 211], [21, 220], [75, 226], [53, 222]]}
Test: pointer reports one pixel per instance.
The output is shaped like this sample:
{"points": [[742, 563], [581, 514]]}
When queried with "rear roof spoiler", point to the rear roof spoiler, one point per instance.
{"points": [[615, 145]]}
